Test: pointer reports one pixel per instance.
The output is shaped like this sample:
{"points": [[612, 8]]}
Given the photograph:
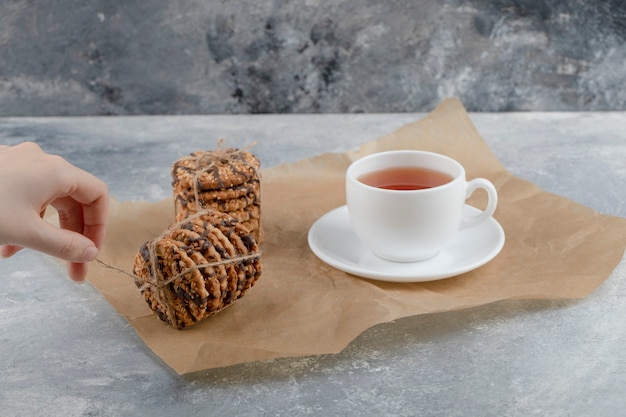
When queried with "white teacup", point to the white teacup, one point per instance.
{"points": [[409, 225]]}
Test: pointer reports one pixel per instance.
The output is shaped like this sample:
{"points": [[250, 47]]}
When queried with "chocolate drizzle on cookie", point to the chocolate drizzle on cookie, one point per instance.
{"points": [[210, 257], [226, 180], [197, 268]]}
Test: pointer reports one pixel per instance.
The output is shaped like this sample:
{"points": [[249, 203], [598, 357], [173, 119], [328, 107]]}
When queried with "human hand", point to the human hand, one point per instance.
{"points": [[30, 181]]}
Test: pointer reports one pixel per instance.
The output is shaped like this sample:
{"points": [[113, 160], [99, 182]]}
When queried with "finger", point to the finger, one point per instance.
{"points": [[92, 194], [71, 217], [77, 271], [70, 214], [6, 251], [61, 243], [95, 220]]}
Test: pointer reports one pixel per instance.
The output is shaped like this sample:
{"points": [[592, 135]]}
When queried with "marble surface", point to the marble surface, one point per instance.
{"points": [[62, 58], [66, 352]]}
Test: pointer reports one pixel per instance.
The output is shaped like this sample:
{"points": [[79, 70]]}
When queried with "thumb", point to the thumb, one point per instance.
{"points": [[61, 243], [6, 251]]}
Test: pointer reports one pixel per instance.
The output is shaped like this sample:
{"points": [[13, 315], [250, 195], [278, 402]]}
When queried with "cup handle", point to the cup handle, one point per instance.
{"points": [[471, 221]]}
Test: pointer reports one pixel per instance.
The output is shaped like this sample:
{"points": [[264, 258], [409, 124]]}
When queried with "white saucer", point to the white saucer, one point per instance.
{"points": [[332, 240]]}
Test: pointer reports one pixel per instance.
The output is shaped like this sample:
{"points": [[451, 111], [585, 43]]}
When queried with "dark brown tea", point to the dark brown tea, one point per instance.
{"points": [[405, 178]]}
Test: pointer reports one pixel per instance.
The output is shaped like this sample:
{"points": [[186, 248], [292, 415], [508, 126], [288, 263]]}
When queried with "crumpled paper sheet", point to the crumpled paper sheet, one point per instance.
{"points": [[554, 248]]}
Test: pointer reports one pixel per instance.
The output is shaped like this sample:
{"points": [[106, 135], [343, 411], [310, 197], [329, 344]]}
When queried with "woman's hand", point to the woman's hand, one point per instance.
{"points": [[30, 181]]}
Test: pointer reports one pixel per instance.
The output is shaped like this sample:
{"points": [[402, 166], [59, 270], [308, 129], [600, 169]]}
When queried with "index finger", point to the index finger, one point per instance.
{"points": [[93, 195], [95, 219]]}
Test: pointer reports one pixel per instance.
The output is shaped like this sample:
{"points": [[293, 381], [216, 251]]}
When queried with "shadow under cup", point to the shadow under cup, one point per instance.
{"points": [[410, 225]]}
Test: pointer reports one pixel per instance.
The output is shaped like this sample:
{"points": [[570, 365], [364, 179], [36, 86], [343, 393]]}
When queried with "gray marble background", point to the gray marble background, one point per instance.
{"points": [[114, 57]]}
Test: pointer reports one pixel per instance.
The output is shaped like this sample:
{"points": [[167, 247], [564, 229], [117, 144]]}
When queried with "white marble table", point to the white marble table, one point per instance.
{"points": [[65, 352]]}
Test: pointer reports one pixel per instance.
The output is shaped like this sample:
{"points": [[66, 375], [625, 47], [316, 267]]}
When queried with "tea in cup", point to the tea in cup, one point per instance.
{"points": [[406, 205]]}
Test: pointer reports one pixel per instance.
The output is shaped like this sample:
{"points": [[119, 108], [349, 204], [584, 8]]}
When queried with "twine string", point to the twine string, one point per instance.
{"points": [[156, 281], [210, 160], [164, 283]]}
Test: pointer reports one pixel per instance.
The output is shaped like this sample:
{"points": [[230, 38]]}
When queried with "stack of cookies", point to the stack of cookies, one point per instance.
{"points": [[210, 257], [226, 180], [197, 268]]}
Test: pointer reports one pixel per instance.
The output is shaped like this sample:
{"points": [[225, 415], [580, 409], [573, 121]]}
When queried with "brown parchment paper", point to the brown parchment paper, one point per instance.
{"points": [[554, 248]]}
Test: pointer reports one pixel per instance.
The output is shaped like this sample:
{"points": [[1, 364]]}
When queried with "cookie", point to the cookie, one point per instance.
{"points": [[197, 268], [250, 188], [233, 204], [226, 180], [185, 209], [214, 170]]}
